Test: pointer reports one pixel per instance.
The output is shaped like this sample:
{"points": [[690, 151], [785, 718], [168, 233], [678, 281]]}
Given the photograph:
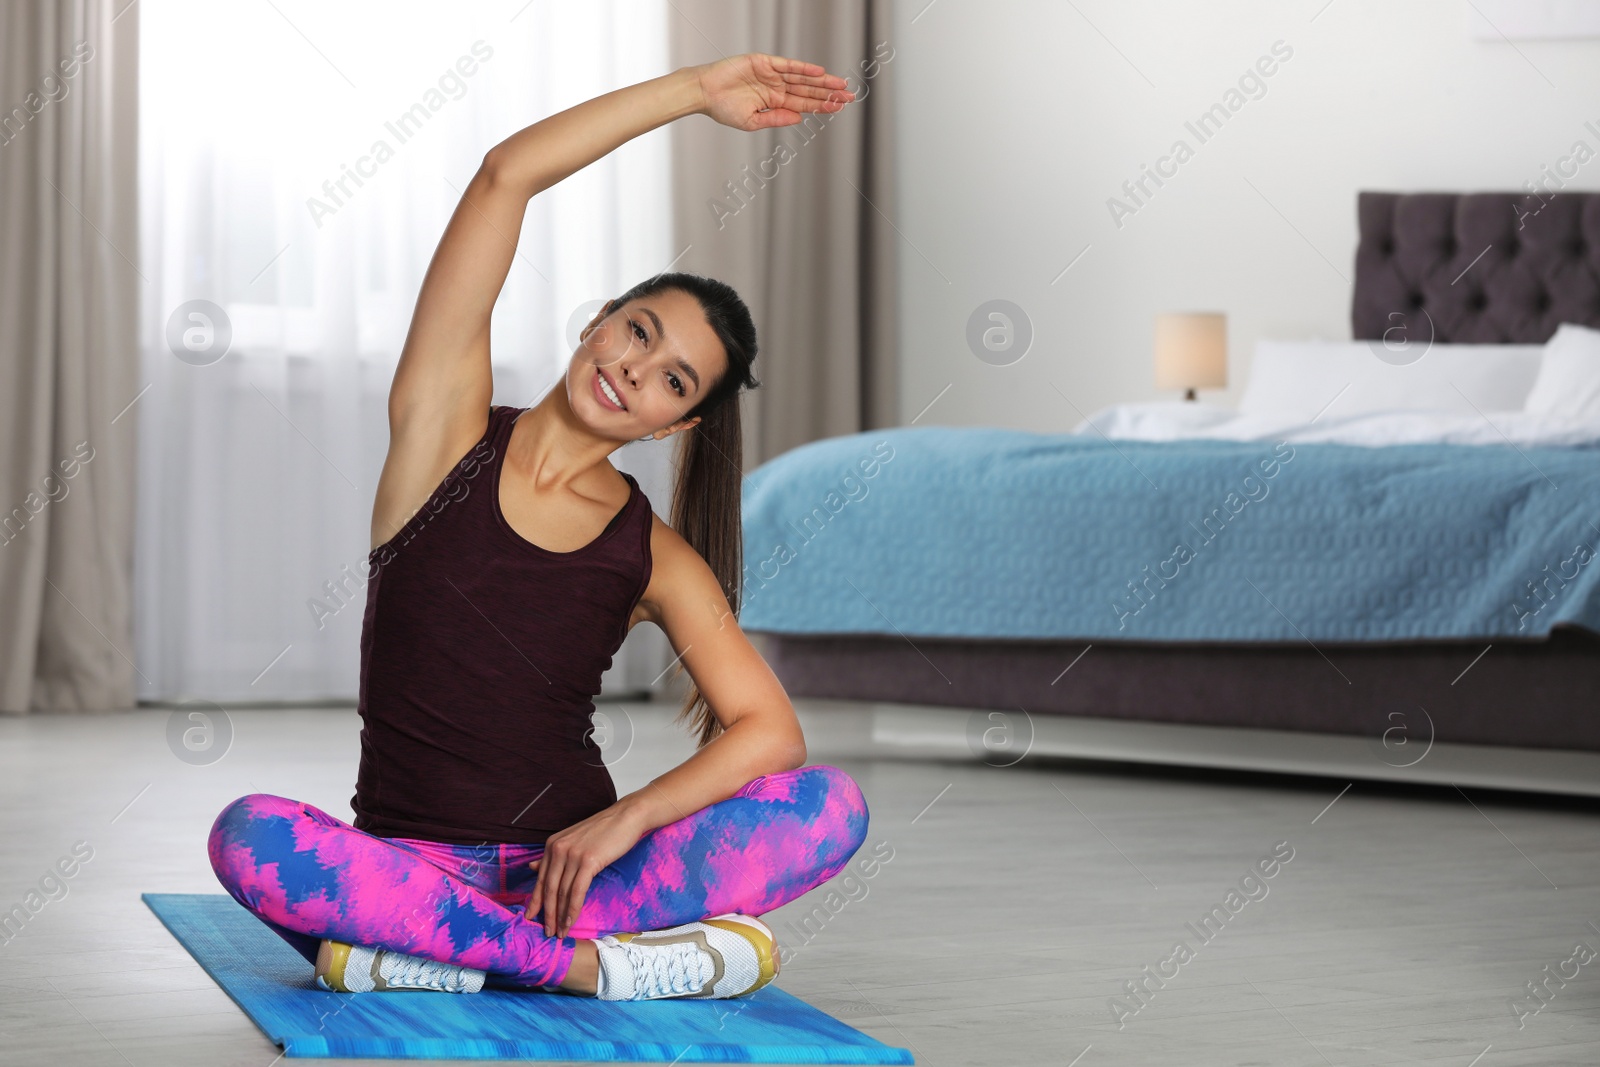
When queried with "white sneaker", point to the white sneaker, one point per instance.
{"points": [[726, 956], [346, 968]]}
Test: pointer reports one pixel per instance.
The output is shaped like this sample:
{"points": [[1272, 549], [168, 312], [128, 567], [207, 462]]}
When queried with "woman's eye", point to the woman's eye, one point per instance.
{"points": [[639, 331], [677, 383]]}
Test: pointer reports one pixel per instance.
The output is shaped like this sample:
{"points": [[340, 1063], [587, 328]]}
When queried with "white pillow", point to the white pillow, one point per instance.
{"points": [[1300, 378], [1569, 375], [1155, 419]]}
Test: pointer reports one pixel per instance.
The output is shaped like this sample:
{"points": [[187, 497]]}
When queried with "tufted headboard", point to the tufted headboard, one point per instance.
{"points": [[1476, 268]]}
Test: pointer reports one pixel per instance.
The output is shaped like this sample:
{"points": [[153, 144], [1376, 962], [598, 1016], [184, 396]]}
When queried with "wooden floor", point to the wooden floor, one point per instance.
{"points": [[1017, 904]]}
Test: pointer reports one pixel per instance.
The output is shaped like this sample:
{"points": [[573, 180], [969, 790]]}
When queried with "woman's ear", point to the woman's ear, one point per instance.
{"points": [[686, 425]]}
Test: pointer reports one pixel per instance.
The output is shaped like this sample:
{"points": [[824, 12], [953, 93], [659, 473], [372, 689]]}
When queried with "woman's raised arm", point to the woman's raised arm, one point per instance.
{"points": [[439, 398], [748, 92]]}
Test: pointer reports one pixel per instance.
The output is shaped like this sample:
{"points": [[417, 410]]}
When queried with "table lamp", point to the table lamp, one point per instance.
{"points": [[1191, 351]]}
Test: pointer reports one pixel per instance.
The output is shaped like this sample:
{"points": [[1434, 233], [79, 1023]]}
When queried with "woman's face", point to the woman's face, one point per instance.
{"points": [[658, 355]]}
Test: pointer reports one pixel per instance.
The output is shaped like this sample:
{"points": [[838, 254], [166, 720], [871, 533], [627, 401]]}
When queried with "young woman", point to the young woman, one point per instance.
{"points": [[509, 561]]}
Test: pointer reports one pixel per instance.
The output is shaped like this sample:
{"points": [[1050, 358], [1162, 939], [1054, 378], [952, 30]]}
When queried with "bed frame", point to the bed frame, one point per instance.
{"points": [[1461, 268]]}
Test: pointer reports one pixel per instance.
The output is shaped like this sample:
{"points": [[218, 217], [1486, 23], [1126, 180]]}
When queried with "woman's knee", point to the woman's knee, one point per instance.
{"points": [[842, 789], [237, 818], [235, 829], [826, 799], [841, 811]]}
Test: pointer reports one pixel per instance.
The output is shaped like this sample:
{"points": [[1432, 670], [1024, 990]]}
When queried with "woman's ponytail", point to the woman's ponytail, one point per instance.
{"points": [[710, 460], [705, 512]]}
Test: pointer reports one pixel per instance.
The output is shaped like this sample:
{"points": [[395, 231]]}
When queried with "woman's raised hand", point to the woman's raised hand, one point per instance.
{"points": [[755, 91]]}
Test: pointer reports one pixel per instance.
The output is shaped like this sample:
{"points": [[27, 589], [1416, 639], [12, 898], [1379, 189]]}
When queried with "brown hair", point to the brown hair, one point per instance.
{"points": [[706, 497]]}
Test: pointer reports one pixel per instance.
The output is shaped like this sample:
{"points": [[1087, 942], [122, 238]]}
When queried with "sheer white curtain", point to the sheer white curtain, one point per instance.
{"points": [[298, 163]]}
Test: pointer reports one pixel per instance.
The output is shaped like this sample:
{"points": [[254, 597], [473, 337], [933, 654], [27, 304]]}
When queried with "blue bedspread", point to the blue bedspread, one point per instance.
{"points": [[986, 532]]}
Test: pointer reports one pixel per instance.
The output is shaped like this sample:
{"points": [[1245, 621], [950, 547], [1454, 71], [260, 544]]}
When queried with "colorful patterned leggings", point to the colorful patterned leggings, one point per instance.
{"points": [[310, 876]]}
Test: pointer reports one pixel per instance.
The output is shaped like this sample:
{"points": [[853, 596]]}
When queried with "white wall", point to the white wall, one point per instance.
{"points": [[1020, 119]]}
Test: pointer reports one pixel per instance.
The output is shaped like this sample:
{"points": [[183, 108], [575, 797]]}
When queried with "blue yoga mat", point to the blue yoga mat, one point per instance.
{"points": [[274, 986]]}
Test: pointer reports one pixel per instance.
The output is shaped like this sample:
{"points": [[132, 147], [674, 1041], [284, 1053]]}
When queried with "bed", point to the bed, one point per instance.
{"points": [[1275, 587]]}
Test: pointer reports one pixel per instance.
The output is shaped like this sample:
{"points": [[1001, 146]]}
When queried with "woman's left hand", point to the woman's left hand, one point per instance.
{"points": [[755, 90], [571, 859]]}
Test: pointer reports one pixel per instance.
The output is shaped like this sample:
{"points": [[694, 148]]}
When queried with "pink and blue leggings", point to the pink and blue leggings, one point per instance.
{"points": [[310, 876]]}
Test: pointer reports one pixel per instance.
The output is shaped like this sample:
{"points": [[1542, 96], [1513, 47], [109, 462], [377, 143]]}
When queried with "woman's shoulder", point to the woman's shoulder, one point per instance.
{"points": [[677, 570], [681, 587], [501, 413]]}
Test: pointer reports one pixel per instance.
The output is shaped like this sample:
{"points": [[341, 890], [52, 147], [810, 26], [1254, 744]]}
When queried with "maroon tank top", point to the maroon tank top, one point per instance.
{"points": [[481, 655]]}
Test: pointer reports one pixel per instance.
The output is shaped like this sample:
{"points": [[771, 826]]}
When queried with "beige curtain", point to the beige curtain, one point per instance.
{"points": [[798, 219], [69, 285]]}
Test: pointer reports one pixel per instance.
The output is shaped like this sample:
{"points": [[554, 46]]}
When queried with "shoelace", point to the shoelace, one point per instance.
{"points": [[668, 969], [414, 971]]}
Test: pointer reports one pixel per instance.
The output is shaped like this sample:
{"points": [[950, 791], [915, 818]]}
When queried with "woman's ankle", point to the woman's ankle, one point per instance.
{"points": [[583, 974]]}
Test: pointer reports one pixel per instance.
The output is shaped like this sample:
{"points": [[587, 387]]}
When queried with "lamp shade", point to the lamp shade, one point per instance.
{"points": [[1191, 350]]}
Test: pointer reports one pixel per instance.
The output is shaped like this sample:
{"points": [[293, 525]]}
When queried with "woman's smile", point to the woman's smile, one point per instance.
{"points": [[606, 392]]}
